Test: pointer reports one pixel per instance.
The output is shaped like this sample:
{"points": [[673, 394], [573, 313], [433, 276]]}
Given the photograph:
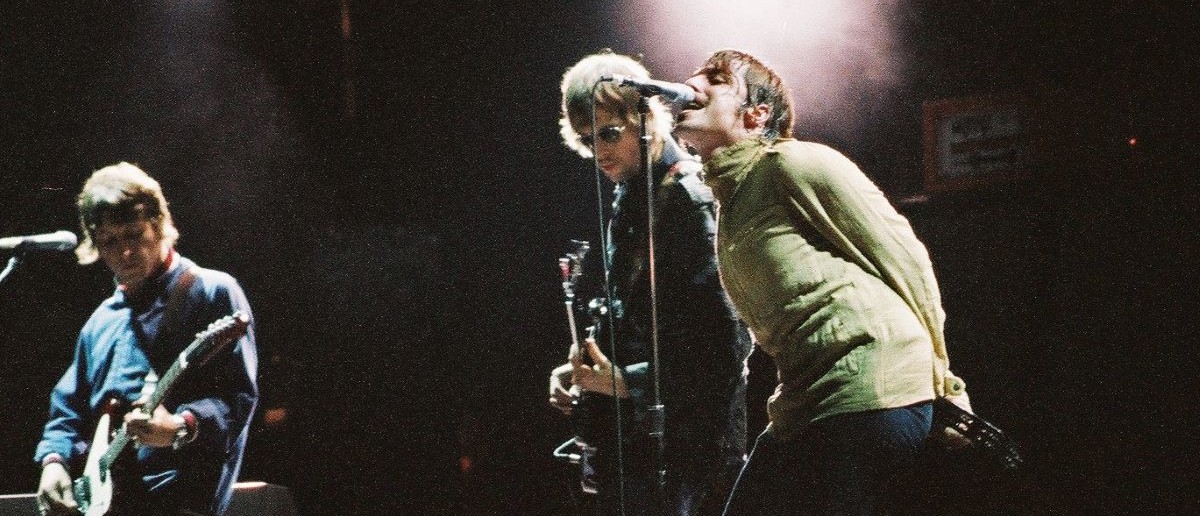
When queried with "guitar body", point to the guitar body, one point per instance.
{"points": [[595, 427], [94, 488]]}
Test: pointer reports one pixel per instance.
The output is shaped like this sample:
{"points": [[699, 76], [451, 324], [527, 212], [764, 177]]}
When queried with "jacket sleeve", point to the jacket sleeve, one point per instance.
{"points": [[223, 393], [69, 411]]}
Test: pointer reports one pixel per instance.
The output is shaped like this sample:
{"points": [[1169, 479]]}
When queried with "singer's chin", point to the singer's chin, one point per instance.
{"points": [[682, 122]]}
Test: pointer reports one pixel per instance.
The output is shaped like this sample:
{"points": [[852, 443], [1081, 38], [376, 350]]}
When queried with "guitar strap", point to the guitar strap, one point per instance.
{"points": [[175, 300], [170, 324]]}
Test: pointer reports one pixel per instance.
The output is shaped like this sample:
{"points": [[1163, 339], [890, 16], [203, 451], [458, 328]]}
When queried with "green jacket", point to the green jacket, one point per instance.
{"points": [[831, 281]]}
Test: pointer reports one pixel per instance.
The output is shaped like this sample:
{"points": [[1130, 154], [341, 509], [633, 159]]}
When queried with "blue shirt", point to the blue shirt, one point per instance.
{"points": [[120, 343]]}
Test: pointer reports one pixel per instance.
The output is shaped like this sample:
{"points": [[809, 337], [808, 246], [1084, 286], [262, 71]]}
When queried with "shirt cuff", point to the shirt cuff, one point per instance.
{"points": [[53, 457], [188, 432]]}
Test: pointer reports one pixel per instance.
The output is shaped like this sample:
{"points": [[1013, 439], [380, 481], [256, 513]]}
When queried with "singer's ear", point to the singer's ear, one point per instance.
{"points": [[754, 118]]}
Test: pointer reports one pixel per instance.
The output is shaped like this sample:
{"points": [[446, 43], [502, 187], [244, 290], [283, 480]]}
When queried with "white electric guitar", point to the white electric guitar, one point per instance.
{"points": [[94, 489]]}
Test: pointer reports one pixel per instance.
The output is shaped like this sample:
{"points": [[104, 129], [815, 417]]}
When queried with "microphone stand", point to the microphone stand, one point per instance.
{"points": [[610, 313], [657, 411], [13, 262]]}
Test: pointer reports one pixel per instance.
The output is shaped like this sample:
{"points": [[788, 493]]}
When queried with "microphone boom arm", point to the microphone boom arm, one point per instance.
{"points": [[13, 262]]}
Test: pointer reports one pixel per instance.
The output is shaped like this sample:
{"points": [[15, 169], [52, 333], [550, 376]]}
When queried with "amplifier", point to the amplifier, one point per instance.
{"points": [[249, 499]]}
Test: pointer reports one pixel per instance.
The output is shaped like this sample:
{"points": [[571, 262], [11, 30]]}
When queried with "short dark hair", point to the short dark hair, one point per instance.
{"points": [[763, 86]]}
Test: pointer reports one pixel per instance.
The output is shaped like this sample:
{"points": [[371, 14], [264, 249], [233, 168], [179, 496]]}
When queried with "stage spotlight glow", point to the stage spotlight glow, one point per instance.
{"points": [[753, 25], [833, 54]]}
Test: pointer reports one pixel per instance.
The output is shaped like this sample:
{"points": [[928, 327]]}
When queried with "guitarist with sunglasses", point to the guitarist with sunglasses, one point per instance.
{"points": [[702, 345], [185, 452]]}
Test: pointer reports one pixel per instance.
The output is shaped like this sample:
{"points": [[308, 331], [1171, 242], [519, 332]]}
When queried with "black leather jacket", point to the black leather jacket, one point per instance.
{"points": [[702, 346]]}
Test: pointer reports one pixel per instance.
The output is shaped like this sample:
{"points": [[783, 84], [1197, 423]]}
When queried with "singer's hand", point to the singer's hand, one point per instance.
{"points": [[562, 393], [950, 438], [599, 376]]}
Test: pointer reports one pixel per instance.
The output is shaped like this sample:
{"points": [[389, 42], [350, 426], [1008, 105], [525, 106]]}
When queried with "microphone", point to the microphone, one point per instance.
{"points": [[671, 92], [62, 240]]}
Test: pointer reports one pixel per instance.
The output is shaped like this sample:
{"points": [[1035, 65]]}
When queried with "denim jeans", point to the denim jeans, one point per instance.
{"points": [[840, 465]]}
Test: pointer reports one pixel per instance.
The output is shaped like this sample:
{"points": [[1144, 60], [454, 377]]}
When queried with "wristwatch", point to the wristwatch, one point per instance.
{"points": [[183, 434]]}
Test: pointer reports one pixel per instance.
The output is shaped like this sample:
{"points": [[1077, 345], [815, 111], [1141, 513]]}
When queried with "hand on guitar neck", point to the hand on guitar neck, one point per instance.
{"points": [[157, 430], [599, 376], [569, 379]]}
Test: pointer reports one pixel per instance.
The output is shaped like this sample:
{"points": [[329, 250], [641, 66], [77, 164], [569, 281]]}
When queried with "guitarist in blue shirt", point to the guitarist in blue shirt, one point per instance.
{"points": [[188, 448]]}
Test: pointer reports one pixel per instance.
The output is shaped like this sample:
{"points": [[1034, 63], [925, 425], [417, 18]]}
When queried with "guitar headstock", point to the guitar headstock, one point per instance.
{"points": [[571, 266], [232, 323], [217, 335]]}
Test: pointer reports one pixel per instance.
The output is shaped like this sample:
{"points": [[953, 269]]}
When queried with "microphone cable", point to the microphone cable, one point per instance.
{"points": [[608, 295]]}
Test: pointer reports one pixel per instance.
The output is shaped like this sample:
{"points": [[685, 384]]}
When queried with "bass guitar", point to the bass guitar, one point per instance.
{"points": [[577, 449], [94, 488]]}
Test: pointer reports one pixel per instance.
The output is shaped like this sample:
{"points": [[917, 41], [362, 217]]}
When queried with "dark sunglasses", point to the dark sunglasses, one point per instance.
{"points": [[608, 133]]}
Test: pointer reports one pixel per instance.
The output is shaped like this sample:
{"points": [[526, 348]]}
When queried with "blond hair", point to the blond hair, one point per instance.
{"points": [[581, 86]]}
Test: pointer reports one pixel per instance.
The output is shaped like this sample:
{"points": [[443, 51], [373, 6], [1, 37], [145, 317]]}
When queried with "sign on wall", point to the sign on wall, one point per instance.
{"points": [[975, 141]]}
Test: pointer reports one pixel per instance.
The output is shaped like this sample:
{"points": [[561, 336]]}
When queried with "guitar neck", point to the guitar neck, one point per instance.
{"points": [[570, 304], [166, 383], [122, 439], [220, 334]]}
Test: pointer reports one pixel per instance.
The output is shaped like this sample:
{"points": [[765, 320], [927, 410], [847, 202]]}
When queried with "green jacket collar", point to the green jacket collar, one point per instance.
{"points": [[724, 171]]}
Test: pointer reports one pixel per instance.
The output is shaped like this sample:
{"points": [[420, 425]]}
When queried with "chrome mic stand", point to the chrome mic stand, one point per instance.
{"points": [[13, 262], [657, 411]]}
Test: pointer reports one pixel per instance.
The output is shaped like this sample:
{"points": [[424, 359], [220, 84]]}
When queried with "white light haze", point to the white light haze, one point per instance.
{"points": [[833, 54]]}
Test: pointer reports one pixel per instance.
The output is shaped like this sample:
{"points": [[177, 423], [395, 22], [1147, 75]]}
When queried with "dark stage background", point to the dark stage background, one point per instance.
{"points": [[394, 204]]}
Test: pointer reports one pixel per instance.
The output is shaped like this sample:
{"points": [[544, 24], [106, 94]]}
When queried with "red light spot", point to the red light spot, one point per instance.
{"points": [[275, 416], [1133, 141], [465, 464]]}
